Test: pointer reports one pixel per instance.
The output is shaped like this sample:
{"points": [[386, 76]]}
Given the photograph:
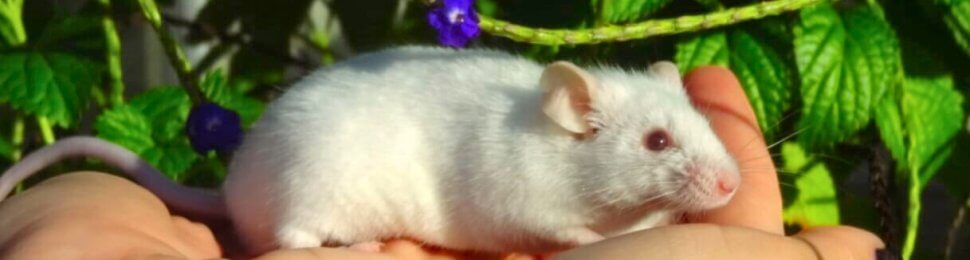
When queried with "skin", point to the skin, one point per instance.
{"points": [[89, 215]]}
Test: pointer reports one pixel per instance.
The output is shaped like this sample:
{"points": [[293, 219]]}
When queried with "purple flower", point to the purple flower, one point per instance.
{"points": [[456, 22], [211, 127]]}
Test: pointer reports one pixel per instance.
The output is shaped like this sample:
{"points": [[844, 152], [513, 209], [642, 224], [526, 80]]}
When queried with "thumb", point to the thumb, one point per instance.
{"points": [[841, 242]]}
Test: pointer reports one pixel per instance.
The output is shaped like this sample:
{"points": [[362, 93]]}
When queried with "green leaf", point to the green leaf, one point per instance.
{"points": [[11, 25], [701, 49], [957, 17], [933, 115], [152, 125], [890, 125], [53, 85], [846, 61], [764, 77], [215, 88], [127, 127], [167, 109], [816, 203], [623, 11]]}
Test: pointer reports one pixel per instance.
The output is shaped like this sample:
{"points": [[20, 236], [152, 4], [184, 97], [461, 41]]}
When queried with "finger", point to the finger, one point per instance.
{"points": [[62, 212], [708, 241], [318, 253], [842, 242], [757, 204]]}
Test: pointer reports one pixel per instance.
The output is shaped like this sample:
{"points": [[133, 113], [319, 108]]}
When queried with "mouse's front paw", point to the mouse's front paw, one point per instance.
{"points": [[294, 238], [578, 236]]}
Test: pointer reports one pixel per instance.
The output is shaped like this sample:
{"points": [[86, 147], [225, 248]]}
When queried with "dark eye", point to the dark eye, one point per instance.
{"points": [[657, 140]]}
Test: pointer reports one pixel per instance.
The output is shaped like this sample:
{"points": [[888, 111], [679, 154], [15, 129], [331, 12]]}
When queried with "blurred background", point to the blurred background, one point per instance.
{"points": [[864, 101]]}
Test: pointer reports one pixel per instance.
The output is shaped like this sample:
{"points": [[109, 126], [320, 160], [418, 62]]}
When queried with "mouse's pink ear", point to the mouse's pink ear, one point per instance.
{"points": [[568, 92], [666, 70]]}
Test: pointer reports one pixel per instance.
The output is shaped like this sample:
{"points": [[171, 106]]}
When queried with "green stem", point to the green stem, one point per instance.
{"points": [[113, 53], [46, 131], [17, 138], [641, 30], [172, 49], [912, 216]]}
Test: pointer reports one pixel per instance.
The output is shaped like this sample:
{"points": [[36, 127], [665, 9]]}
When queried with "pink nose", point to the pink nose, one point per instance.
{"points": [[727, 183]]}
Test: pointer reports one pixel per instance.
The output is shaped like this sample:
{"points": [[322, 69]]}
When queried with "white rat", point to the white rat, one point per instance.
{"points": [[463, 149]]}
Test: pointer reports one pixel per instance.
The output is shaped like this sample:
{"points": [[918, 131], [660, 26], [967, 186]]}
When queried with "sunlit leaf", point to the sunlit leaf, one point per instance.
{"points": [[816, 203], [702, 49], [846, 61]]}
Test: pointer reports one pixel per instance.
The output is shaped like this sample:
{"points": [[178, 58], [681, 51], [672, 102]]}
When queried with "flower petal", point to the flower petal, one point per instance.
{"points": [[437, 19]]}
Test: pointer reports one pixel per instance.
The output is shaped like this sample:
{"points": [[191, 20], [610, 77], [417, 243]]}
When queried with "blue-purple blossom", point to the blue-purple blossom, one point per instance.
{"points": [[456, 22], [211, 127]]}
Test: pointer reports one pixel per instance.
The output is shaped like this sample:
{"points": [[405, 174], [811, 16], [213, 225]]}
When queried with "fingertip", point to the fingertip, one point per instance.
{"points": [[842, 242], [704, 75], [716, 87]]}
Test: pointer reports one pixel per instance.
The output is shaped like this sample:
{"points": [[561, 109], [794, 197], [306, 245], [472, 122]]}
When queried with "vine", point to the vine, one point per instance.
{"points": [[113, 53], [606, 33], [175, 54]]}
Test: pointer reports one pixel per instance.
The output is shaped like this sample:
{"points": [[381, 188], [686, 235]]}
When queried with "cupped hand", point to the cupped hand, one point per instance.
{"points": [[99, 216]]}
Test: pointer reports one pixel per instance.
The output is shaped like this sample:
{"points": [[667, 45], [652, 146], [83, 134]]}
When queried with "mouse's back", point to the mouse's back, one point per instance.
{"points": [[346, 127]]}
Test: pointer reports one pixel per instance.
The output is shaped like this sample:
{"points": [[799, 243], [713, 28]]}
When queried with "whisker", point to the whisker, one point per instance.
{"points": [[786, 138]]}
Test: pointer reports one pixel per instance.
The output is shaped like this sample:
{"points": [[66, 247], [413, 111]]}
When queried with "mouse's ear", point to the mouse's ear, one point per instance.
{"points": [[666, 70], [568, 92]]}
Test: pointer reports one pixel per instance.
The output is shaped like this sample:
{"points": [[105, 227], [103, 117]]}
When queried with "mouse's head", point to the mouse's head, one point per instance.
{"points": [[641, 140]]}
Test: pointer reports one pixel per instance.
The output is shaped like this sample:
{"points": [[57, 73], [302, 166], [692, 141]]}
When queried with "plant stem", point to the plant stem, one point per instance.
{"points": [[46, 132], [951, 236], [641, 30], [113, 46], [17, 140], [174, 52], [912, 216]]}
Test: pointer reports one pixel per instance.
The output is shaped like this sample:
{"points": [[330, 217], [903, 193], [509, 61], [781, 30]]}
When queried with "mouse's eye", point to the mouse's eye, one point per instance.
{"points": [[657, 140]]}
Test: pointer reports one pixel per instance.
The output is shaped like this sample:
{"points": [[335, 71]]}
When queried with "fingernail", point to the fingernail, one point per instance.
{"points": [[883, 254]]}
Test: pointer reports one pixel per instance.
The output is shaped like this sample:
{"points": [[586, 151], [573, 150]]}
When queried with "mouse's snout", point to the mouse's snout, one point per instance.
{"points": [[707, 187], [727, 183]]}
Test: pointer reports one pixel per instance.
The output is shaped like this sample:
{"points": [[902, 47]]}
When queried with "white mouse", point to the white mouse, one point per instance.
{"points": [[463, 149]]}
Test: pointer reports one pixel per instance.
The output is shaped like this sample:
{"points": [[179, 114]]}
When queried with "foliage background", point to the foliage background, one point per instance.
{"points": [[834, 85]]}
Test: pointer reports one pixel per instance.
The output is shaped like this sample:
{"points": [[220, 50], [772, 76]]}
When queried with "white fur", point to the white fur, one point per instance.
{"points": [[451, 148]]}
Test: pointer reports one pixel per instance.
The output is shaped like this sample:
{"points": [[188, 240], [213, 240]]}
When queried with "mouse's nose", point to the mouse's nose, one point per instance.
{"points": [[727, 183]]}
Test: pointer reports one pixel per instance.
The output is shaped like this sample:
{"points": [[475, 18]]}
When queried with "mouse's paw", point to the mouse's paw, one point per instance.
{"points": [[578, 236], [370, 246], [294, 238]]}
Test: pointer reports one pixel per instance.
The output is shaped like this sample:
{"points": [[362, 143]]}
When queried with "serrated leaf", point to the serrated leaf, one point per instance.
{"points": [[166, 108], [845, 61], [172, 158], [701, 49], [933, 115], [127, 127], [53, 85], [216, 89], [957, 18], [156, 132], [764, 77], [816, 203], [623, 11], [11, 25], [890, 125]]}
